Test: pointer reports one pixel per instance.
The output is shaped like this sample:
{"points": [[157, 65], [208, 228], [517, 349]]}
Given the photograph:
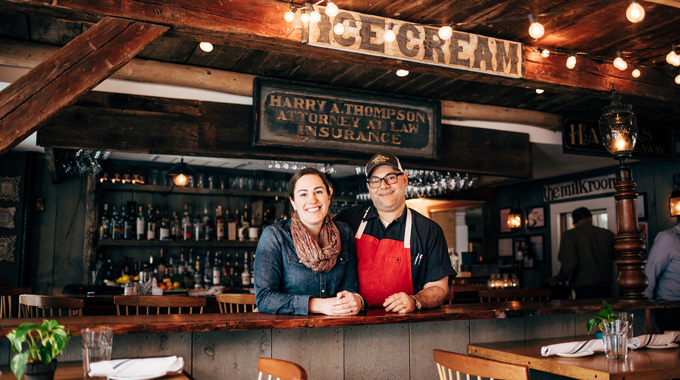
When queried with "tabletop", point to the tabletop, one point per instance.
{"points": [[74, 371], [641, 364]]}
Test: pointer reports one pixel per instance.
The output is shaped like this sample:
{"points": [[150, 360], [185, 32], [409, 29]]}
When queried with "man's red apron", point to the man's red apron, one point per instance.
{"points": [[384, 266]]}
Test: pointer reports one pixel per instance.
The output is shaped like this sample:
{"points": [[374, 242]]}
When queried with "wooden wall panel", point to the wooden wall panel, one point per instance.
{"points": [[229, 354], [377, 352], [319, 351]]}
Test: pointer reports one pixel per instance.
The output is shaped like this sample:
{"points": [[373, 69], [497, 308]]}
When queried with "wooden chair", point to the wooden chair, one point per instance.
{"points": [[37, 306], [8, 294], [236, 303], [153, 305], [280, 369], [451, 365], [503, 295]]}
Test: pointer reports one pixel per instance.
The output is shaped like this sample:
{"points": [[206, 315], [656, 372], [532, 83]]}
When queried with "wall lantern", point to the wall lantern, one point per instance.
{"points": [[618, 130], [181, 174], [675, 196], [515, 216]]}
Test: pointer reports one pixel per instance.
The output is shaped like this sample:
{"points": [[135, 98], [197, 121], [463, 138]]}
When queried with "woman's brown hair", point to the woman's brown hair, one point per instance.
{"points": [[307, 171]]}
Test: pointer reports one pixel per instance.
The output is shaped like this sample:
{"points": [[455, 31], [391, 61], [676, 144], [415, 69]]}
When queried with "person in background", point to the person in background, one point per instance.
{"points": [[403, 261], [586, 253], [307, 264], [663, 273]]}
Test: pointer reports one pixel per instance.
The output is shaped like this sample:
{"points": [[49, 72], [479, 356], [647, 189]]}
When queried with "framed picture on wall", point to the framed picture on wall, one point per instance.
{"points": [[504, 220], [519, 245], [505, 247], [642, 206], [536, 217], [538, 247]]}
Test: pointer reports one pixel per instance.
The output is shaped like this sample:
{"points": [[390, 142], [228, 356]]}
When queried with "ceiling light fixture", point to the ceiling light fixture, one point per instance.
{"points": [[635, 12], [206, 46], [331, 9], [314, 16], [636, 72], [545, 53], [304, 17], [536, 30], [181, 174], [571, 62], [445, 32], [402, 73], [339, 29], [389, 35], [619, 63], [290, 15]]}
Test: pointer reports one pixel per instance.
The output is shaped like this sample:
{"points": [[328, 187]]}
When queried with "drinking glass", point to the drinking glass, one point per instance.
{"points": [[628, 317], [97, 343], [615, 337]]}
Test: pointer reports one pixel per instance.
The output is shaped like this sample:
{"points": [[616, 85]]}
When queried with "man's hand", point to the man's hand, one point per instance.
{"points": [[401, 303]]}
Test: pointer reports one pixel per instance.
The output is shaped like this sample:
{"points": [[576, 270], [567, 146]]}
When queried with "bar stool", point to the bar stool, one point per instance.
{"points": [[37, 306], [153, 305], [280, 369], [503, 295], [236, 303], [451, 363], [7, 296]]}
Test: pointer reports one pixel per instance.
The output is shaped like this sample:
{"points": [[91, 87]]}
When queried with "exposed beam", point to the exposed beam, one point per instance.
{"points": [[59, 81], [670, 3], [52, 164], [28, 55], [257, 24]]}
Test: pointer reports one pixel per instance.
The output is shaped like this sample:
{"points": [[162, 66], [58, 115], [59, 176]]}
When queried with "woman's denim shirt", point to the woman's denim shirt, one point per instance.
{"points": [[283, 285]]}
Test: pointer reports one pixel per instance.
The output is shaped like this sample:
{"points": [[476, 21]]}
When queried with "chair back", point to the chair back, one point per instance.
{"points": [[503, 295], [9, 296], [153, 305], [280, 369], [452, 366], [236, 303], [37, 306]]}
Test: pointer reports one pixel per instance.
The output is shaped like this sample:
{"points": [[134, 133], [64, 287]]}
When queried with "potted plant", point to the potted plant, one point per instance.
{"points": [[606, 314], [43, 344]]}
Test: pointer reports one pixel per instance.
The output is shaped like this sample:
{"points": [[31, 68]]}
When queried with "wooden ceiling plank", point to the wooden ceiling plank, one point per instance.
{"points": [[74, 70], [670, 3]]}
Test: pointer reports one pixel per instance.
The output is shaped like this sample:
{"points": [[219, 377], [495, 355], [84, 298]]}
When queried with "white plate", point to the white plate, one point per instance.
{"points": [[579, 355], [141, 377], [670, 345]]}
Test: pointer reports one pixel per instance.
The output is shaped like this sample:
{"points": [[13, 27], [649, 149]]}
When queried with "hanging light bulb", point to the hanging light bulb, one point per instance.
{"points": [[545, 53], [339, 29], [315, 16], [635, 12], [290, 15], [619, 63], [677, 79], [206, 46], [445, 32], [536, 30], [673, 58], [331, 9], [304, 17], [636, 72], [389, 35], [571, 62], [540, 90], [402, 73]]}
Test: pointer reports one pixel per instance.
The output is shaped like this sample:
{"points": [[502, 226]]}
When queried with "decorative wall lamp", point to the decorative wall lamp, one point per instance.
{"points": [[618, 129], [675, 196], [515, 215], [181, 174]]}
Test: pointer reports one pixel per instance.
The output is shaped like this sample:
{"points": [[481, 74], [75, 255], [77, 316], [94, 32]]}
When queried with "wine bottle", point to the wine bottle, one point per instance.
{"points": [[219, 224], [141, 225]]}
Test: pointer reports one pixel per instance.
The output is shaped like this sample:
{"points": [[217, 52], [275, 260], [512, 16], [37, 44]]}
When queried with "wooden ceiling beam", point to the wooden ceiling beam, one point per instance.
{"points": [[59, 81], [258, 24], [670, 3]]}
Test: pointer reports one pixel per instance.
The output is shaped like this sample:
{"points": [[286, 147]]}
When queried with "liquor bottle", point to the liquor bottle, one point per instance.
{"points": [[245, 275], [226, 280], [528, 257], [181, 265], [186, 224], [219, 224], [160, 268], [239, 226], [164, 230], [217, 270], [198, 228], [128, 220], [208, 230], [245, 224], [254, 229], [207, 272], [198, 273], [105, 224], [141, 225], [231, 225], [151, 224], [115, 225], [175, 227], [235, 273]]}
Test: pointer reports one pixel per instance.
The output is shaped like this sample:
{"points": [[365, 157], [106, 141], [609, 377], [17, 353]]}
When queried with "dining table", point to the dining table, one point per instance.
{"points": [[74, 371], [640, 364]]}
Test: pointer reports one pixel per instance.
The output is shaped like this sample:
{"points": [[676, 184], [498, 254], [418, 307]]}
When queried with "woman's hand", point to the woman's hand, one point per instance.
{"points": [[345, 303]]}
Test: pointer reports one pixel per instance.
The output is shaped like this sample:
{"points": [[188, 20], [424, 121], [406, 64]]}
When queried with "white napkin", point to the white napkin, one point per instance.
{"points": [[653, 340], [594, 345], [136, 368]]}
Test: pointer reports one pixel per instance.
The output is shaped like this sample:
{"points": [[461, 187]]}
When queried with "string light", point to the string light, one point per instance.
{"points": [[677, 79], [540, 90], [545, 53], [673, 58], [445, 32], [571, 62], [290, 15], [331, 9], [619, 63], [402, 73], [536, 30], [339, 29], [635, 12], [206, 46], [314, 16], [304, 17], [636, 72], [389, 35]]}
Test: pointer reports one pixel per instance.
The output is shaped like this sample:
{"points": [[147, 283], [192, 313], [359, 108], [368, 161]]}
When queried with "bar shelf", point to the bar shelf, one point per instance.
{"points": [[191, 190], [175, 243]]}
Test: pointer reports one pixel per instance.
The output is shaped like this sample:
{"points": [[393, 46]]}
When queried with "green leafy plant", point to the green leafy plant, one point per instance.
{"points": [[43, 342], [605, 314]]}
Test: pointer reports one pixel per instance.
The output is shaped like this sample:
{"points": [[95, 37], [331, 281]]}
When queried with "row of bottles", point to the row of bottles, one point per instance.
{"points": [[131, 223], [496, 282], [189, 271]]}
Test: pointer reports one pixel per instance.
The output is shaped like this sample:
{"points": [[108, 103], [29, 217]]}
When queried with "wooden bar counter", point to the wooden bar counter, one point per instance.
{"points": [[218, 346]]}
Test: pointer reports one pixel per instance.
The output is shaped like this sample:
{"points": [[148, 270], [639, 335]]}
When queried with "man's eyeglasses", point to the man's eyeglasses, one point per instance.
{"points": [[390, 179]]}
